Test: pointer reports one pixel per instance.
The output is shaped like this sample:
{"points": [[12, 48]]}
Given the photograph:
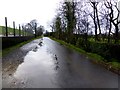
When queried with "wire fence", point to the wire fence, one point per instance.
{"points": [[6, 31]]}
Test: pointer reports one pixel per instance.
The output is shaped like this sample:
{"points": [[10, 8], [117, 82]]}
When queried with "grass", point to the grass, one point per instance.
{"points": [[115, 65], [92, 39], [94, 57], [0, 29], [10, 31], [69, 45], [6, 51]]}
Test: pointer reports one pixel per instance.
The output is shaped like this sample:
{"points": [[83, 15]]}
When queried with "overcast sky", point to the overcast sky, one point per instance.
{"points": [[22, 11]]}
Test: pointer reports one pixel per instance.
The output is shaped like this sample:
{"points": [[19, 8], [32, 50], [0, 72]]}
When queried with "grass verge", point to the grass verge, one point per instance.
{"points": [[4, 52], [113, 66]]}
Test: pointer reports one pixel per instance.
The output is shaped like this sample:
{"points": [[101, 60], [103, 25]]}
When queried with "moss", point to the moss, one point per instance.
{"points": [[116, 65], [69, 45], [95, 57]]}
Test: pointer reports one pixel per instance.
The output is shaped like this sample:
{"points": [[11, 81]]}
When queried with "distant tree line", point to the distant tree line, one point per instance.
{"points": [[90, 25], [88, 17], [33, 28]]}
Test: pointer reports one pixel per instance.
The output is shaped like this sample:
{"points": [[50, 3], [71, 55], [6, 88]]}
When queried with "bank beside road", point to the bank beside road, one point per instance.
{"points": [[14, 43], [95, 58]]}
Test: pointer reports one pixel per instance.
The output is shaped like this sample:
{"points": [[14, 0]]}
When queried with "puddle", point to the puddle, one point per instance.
{"points": [[38, 69]]}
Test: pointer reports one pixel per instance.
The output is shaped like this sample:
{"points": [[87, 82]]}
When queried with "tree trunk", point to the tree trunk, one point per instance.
{"points": [[95, 24], [116, 33], [98, 21], [109, 32]]}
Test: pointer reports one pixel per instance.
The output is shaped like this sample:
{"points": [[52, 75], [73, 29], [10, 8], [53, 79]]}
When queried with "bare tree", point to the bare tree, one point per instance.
{"points": [[95, 17], [94, 5], [113, 7]]}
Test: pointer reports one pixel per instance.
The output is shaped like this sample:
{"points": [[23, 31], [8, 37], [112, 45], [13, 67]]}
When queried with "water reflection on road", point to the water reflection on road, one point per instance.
{"points": [[50, 65], [38, 69]]}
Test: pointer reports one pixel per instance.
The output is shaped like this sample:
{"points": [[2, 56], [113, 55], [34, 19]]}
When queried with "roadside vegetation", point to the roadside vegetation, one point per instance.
{"points": [[89, 29], [6, 51], [95, 58]]}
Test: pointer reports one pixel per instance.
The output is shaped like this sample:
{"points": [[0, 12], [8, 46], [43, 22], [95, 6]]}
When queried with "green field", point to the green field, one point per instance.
{"points": [[10, 31]]}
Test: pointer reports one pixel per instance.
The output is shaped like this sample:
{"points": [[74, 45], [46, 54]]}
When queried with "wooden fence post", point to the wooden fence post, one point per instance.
{"points": [[19, 30], [14, 28], [6, 27], [22, 31]]}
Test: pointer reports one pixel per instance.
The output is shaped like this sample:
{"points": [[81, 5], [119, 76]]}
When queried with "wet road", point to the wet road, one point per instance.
{"points": [[47, 64]]}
